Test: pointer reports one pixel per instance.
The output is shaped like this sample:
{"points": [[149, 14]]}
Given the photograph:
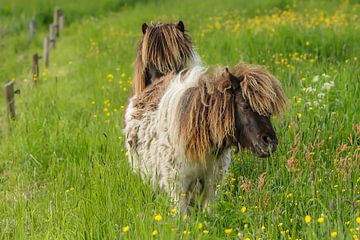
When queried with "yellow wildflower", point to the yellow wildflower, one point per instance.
{"points": [[126, 229], [333, 234], [243, 209], [154, 232], [205, 232], [228, 230], [320, 220], [199, 226], [307, 218], [158, 218], [69, 190], [357, 220]]}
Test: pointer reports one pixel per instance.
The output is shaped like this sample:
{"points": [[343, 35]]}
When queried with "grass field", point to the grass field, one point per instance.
{"points": [[63, 169]]}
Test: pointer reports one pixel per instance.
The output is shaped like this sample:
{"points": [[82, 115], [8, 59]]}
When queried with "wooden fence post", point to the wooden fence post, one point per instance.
{"points": [[32, 26], [35, 67], [10, 101], [56, 21], [46, 51], [61, 20], [52, 35]]}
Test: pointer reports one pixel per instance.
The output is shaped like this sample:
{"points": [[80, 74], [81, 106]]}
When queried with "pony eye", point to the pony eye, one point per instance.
{"points": [[247, 107]]}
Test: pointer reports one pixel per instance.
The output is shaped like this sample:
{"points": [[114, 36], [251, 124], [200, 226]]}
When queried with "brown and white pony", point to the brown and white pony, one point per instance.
{"points": [[163, 48], [180, 130]]}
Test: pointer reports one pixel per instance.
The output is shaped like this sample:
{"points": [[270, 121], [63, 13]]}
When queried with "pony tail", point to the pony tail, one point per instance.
{"points": [[139, 81]]}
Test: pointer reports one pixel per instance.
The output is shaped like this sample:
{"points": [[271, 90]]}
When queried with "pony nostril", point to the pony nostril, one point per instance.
{"points": [[266, 139]]}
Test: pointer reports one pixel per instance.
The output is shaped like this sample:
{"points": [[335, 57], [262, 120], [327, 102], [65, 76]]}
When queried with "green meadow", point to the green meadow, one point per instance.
{"points": [[64, 172]]}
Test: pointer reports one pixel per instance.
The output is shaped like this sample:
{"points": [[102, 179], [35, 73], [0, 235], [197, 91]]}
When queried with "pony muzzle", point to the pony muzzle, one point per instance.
{"points": [[266, 147]]}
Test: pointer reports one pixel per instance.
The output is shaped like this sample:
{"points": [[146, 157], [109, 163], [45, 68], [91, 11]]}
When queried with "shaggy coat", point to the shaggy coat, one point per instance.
{"points": [[179, 131], [164, 48]]}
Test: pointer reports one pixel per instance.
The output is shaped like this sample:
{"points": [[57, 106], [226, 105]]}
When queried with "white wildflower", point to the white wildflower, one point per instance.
{"points": [[308, 104], [315, 103], [325, 75], [315, 78], [328, 85], [321, 95], [310, 90]]}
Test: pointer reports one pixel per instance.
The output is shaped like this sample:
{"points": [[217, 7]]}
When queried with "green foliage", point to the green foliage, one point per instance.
{"points": [[63, 168]]}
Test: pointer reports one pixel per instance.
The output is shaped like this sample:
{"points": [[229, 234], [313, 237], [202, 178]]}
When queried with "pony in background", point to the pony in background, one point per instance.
{"points": [[180, 129], [163, 48]]}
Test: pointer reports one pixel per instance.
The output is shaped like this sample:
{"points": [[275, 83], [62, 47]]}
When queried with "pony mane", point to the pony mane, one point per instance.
{"points": [[207, 115], [261, 89], [163, 47]]}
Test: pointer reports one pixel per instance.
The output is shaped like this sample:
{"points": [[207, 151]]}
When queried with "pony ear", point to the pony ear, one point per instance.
{"points": [[181, 26], [235, 82], [144, 27]]}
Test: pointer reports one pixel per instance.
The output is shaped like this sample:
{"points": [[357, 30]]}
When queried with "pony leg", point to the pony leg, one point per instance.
{"points": [[177, 190], [209, 194], [215, 175], [184, 193]]}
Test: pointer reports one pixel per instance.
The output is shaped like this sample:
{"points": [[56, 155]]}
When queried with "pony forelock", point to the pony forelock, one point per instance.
{"points": [[261, 89]]}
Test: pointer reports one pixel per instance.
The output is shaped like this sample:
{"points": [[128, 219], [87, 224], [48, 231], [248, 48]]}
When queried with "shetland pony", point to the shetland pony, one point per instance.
{"points": [[163, 48], [180, 130]]}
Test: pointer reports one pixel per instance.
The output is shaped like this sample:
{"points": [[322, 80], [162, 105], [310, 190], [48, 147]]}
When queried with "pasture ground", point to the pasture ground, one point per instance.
{"points": [[63, 169]]}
